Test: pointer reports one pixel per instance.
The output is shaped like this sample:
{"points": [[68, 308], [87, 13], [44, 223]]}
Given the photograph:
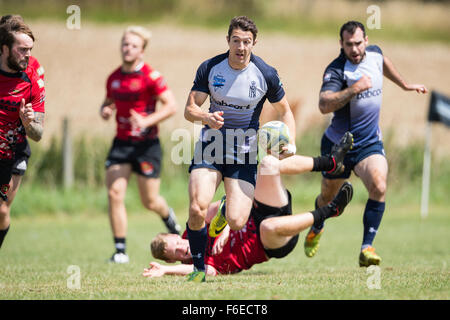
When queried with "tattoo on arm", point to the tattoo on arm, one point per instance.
{"points": [[331, 101], [35, 128]]}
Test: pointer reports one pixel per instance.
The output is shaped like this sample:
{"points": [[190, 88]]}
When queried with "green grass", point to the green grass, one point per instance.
{"points": [[39, 249]]}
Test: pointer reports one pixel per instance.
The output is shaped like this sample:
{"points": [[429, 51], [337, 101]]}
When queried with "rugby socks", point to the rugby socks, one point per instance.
{"points": [[171, 222], [120, 244], [3, 235], [371, 220], [323, 163], [317, 226], [321, 214], [197, 244]]}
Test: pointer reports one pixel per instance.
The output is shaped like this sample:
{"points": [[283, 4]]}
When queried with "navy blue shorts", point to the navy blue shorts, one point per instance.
{"points": [[22, 154], [352, 158], [144, 156], [242, 166]]}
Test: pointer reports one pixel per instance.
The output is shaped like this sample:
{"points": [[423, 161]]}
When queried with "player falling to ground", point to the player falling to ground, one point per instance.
{"points": [[133, 91], [22, 96], [271, 230], [352, 89], [237, 82]]}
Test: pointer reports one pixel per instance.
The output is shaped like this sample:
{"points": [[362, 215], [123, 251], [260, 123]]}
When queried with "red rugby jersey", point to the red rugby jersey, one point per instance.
{"points": [[138, 91], [34, 63], [13, 88], [243, 250]]}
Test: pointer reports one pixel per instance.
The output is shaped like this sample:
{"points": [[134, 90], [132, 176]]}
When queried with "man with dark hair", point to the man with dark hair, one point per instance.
{"points": [[271, 230], [22, 97], [352, 89], [238, 83]]}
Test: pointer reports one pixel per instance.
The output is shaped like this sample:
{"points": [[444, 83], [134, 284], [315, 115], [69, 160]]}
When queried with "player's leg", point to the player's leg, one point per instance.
{"points": [[331, 182], [239, 195], [373, 172], [5, 206], [203, 183], [117, 177], [276, 232], [153, 201]]}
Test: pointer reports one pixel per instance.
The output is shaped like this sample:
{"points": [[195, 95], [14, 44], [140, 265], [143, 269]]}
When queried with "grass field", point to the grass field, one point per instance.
{"points": [[38, 251]]}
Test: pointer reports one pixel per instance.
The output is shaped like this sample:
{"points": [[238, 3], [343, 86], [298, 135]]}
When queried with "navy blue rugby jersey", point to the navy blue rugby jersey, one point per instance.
{"points": [[361, 115]]}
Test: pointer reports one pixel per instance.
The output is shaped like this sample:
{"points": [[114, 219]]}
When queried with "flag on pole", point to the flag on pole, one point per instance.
{"points": [[439, 111], [439, 108]]}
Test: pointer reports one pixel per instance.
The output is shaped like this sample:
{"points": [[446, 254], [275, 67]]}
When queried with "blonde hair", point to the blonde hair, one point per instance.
{"points": [[158, 246], [141, 32]]}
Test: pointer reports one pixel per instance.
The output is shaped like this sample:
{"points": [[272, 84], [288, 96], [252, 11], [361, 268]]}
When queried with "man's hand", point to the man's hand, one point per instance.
{"points": [[26, 113], [287, 151], [221, 241], [106, 112], [137, 120], [362, 84], [155, 270], [214, 120], [420, 88]]}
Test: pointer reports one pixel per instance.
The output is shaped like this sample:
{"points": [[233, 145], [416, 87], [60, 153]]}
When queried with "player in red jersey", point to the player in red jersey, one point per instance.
{"points": [[22, 96], [133, 91], [271, 231]]}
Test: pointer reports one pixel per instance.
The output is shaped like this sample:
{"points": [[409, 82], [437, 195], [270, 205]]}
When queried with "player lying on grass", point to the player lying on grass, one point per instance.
{"points": [[271, 230]]}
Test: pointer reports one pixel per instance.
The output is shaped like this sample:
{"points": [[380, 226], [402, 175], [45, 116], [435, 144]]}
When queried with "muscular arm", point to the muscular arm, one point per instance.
{"points": [[35, 128], [194, 113], [330, 101], [167, 109], [286, 116], [390, 72]]}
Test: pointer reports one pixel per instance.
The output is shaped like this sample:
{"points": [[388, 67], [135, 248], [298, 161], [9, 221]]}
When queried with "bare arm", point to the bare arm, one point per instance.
{"points": [[392, 74], [107, 108], [158, 270], [167, 109], [194, 113], [286, 116], [330, 101], [32, 121]]}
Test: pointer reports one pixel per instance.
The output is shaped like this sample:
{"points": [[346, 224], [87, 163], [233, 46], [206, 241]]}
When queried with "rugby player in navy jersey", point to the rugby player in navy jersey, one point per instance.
{"points": [[237, 82], [352, 89], [22, 96]]}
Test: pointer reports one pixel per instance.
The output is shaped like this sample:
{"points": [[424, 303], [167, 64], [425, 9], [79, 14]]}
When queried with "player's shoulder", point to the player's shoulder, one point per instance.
{"points": [[338, 63], [374, 48], [34, 63], [150, 73], [263, 66], [211, 62], [117, 73]]}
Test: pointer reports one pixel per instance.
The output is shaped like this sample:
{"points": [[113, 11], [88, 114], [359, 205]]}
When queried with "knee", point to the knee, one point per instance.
{"points": [[116, 194], [197, 211], [270, 165], [236, 223], [4, 212], [377, 189], [267, 229]]}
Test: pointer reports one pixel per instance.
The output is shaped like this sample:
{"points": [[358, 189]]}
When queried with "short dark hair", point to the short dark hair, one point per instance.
{"points": [[8, 29], [351, 27], [244, 23], [10, 17]]}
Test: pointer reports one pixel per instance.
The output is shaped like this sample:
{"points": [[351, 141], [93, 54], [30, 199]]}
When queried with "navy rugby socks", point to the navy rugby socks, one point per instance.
{"points": [[371, 220], [197, 243], [120, 244]]}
